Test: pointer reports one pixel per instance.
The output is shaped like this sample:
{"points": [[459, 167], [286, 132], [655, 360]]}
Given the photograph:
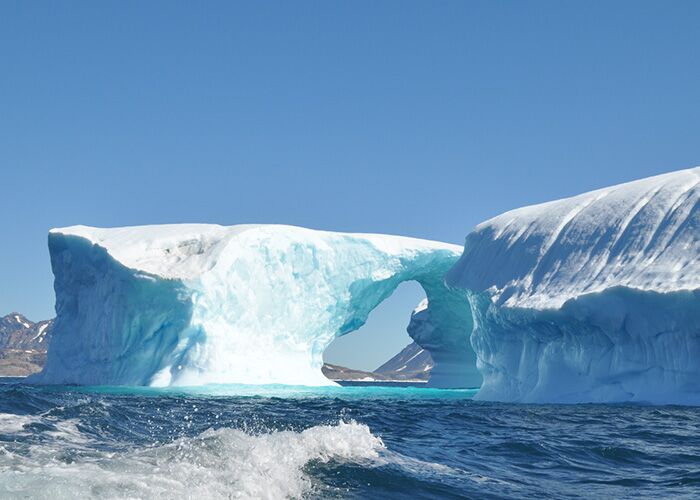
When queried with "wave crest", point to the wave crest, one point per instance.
{"points": [[218, 463]]}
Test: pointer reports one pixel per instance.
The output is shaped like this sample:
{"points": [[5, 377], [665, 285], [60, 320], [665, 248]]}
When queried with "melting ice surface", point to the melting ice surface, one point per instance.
{"points": [[590, 298], [199, 304]]}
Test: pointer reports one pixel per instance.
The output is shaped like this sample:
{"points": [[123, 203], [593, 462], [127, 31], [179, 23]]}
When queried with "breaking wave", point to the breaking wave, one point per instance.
{"points": [[218, 463], [71, 442]]}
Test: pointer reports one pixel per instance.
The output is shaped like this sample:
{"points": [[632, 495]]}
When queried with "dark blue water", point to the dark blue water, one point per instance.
{"points": [[336, 443]]}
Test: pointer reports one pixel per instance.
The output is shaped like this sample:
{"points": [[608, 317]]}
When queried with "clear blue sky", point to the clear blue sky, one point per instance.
{"points": [[414, 118]]}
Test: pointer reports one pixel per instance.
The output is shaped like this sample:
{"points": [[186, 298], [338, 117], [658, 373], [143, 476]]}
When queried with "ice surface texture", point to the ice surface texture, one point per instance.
{"points": [[590, 298], [257, 304]]}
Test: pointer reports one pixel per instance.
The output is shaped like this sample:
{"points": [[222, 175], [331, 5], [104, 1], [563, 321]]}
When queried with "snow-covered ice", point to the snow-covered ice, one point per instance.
{"points": [[590, 298], [253, 304]]}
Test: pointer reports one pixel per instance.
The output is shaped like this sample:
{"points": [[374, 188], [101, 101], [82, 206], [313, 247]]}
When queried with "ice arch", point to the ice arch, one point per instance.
{"points": [[256, 304]]}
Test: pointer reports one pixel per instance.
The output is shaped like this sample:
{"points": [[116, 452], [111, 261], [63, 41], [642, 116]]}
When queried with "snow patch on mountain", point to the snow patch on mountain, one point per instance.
{"points": [[23, 345]]}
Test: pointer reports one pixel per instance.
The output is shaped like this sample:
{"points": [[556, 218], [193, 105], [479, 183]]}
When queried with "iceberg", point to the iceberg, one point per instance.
{"points": [[593, 298], [194, 304]]}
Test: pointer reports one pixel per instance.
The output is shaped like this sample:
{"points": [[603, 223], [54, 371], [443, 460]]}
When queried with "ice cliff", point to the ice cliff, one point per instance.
{"points": [[590, 298], [200, 304]]}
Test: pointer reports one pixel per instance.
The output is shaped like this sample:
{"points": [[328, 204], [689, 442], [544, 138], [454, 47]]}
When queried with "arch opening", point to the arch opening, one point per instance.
{"points": [[381, 351], [441, 325]]}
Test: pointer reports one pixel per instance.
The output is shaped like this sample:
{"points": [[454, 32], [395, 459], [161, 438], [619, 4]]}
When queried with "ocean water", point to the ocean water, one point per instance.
{"points": [[353, 442]]}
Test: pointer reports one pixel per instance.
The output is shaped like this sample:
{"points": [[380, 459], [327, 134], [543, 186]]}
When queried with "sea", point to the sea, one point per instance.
{"points": [[275, 442]]}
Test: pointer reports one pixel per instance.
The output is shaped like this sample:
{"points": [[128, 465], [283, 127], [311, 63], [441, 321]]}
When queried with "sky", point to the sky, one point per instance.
{"points": [[400, 117]]}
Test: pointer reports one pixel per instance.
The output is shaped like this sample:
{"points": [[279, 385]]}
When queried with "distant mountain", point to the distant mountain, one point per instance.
{"points": [[338, 373], [23, 345], [413, 362]]}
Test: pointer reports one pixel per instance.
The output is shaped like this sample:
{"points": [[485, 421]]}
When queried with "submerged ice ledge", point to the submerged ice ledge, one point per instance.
{"points": [[187, 305]]}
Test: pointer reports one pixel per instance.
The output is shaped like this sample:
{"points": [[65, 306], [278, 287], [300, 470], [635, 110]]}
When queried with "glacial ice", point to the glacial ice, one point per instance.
{"points": [[188, 305], [591, 298]]}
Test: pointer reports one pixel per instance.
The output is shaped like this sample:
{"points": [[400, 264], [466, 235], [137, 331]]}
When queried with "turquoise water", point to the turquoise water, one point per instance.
{"points": [[281, 391], [335, 442]]}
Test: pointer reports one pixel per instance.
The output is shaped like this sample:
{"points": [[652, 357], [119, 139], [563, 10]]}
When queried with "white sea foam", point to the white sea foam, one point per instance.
{"points": [[12, 424], [219, 463]]}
